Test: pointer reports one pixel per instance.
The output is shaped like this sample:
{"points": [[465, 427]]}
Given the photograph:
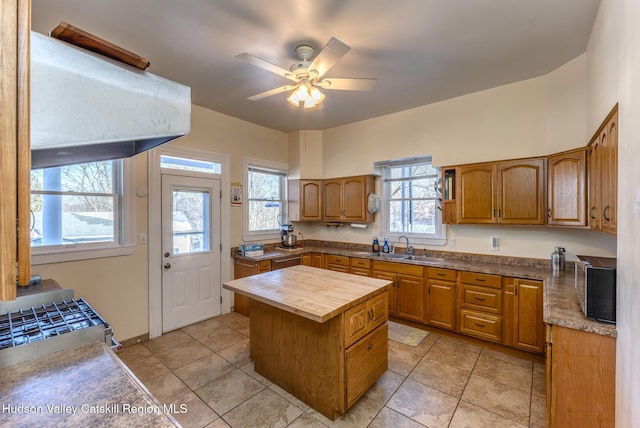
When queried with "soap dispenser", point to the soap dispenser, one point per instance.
{"points": [[385, 246], [375, 247]]}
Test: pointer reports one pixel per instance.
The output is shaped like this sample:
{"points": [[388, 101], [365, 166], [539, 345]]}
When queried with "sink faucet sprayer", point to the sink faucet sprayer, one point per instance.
{"points": [[409, 247]]}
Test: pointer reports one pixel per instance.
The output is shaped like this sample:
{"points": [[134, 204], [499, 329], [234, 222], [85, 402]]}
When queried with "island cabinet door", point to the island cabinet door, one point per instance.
{"points": [[365, 317], [365, 362]]}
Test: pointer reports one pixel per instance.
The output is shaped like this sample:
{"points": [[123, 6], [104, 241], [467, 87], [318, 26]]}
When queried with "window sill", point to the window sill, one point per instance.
{"points": [[76, 254]]}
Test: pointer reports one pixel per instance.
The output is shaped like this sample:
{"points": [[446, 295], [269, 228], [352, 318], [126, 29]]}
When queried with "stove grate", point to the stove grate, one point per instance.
{"points": [[54, 319]]}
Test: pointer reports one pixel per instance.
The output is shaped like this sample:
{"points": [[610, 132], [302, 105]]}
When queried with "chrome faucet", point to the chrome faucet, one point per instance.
{"points": [[409, 247]]}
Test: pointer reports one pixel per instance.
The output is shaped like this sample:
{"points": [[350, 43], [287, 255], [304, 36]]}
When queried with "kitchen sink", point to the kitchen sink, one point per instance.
{"points": [[427, 259], [389, 255]]}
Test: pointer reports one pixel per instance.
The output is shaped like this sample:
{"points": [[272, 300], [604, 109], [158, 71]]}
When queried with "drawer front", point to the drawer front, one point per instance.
{"points": [[337, 260], [361, 263], [482, 279], [264, 265], [360, 271], [482, 298], [403, 268], [365, 362], [443, 274], [481, 325]]}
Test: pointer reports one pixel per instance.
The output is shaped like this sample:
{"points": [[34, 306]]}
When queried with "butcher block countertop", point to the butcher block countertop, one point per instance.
{"points": [[313, 293], [84, 386]]}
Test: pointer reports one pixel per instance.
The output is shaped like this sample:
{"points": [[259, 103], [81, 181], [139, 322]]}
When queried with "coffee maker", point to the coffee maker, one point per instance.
{"points": [[288, 239]]}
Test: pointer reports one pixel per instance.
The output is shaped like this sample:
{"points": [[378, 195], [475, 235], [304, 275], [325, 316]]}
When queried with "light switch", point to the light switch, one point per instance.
{"points": [[142, 239]]}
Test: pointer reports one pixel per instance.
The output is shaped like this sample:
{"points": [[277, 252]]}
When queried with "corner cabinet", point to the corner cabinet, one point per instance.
{"points": [[566, 189], [509, 192], [603, 176], [345, 199], [305, 200]]}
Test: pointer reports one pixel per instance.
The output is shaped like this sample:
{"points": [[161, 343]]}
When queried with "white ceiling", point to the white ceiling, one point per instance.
{"points": [[420, 51]]}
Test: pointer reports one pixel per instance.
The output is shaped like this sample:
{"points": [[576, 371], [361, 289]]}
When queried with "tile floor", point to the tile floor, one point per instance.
{"points": [[444, 382]]}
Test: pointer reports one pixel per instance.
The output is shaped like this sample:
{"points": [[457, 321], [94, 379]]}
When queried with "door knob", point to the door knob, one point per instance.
{"points": [[167, 265], [167, 254]]}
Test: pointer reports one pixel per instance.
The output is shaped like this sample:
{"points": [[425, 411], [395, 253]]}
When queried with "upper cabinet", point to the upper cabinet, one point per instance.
{"points": [[345, 199], [603, 175], [509, 192], [305, 200], [566, 189]]}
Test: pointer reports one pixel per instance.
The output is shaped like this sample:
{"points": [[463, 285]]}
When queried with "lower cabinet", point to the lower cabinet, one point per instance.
{"points": [[441, 298], [360, 266], [581, 372], [406, 297], [365, 362], [337, 263], [243, 269], [480, 301], [313, 260]]}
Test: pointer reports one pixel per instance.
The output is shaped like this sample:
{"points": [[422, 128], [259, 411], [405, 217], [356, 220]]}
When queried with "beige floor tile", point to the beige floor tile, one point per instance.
{"points": [[218, 423], [511, 371], [221, 339], [454, 353], [204, 370], [250, 369], [167, 388], [237, 353], [401, 359], [539, 380], [233, 319], [506, 358], [384, 387], [423, 404], [167, 341], [359, 415], [203, 328], [448, 379], [306, 421], [229, 391], [289, 397], [191, 411], [184, 354], [148, 368], [265, 409], [502, 399], [133, 353], [390, 418], [538, 412], [469, 416]]}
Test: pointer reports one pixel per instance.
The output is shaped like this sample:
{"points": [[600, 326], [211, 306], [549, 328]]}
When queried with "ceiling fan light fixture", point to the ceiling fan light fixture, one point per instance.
{"points": [[293, 99]]}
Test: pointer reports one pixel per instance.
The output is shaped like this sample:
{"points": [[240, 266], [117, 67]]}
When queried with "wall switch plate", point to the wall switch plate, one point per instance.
{"points": [[142, 239], [452, 242], [494, 243]]}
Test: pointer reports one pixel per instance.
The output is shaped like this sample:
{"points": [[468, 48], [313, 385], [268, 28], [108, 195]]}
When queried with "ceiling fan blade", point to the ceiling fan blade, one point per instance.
{"points": [[347, 84], [274, 91], [266, 65], [328, 56]]}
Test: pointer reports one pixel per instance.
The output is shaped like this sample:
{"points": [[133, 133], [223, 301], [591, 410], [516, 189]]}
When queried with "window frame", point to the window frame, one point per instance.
{"points": [[124, 243], [249, 162], [383, 167]]}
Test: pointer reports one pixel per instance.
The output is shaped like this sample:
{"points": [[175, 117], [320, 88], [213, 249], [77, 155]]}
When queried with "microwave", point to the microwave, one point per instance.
{"points": [[595, 281]]}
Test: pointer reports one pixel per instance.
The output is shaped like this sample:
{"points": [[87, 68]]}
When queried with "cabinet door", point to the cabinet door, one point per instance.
{"points": [[354, 199], [317, 260], [475, 190], [441, 304], [243, 269], [528, 326], [305, 200], [566, 190], [392, 291], [521, 198], [410, 297], [609, 174], [594, 185], [331, 198], [365, 362]]}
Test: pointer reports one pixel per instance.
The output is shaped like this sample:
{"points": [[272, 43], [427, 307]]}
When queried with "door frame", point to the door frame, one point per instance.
{"points": [[154, 194]]}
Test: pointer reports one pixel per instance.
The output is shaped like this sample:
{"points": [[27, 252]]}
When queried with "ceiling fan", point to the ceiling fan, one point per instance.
{"points": [[308, 75]]}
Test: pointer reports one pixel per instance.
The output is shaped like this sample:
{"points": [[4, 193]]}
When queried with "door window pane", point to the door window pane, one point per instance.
{"points": [[191, 221]]}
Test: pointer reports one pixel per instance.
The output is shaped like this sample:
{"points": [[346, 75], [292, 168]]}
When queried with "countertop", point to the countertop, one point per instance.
{"points": [[83, 386], [313, 293], [560, 305]]}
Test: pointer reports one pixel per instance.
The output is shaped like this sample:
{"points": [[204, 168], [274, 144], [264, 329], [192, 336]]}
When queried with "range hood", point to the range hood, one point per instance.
{"points": [[86, 107]]}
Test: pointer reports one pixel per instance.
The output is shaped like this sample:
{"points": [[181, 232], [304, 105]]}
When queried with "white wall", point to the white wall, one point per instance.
{"points": [[613, 75], [535, 117], [117, 287]]}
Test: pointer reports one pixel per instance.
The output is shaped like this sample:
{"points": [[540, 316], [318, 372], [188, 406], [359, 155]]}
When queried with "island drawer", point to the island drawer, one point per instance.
{"points": [[484, 326], [365, 362], [443, 274], [481, 298], [482, 279]]}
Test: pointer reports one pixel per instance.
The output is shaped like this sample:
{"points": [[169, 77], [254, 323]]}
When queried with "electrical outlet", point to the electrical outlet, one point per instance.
{"points": [[452, 242], [494, 243]]}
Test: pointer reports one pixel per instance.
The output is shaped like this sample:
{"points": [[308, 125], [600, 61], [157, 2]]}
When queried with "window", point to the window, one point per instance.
{"points": [[266, 204], [76, 208], [411, 200]]}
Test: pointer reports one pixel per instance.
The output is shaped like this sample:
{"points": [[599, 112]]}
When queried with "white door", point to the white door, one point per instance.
{"points": [[190, 250]]}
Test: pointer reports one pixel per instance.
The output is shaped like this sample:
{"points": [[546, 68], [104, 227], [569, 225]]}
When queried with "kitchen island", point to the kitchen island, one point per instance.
{"points": [[320, 335]]}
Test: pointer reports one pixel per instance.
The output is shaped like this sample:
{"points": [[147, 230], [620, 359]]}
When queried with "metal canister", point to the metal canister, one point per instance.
{"points": [[557, 259]]}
